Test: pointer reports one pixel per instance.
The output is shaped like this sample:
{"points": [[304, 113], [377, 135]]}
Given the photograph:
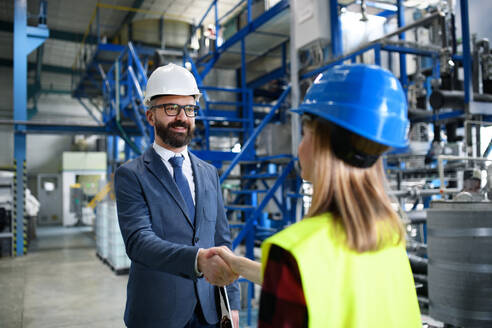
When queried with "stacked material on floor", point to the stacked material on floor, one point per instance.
{"points": [[117, 258], [102, 230], [109, 242]]}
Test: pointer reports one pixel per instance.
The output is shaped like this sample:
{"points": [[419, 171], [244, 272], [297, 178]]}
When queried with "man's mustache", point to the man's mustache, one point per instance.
{"points": [[179, 124]]}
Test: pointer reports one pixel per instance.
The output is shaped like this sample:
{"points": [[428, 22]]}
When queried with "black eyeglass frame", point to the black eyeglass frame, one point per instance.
{"points": [[169, 111]]}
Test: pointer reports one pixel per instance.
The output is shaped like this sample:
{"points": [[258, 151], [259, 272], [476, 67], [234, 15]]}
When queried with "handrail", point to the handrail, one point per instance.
{"points": [[138, 117], [255, 134], [252, 218], [136, 85], [375, 45], [137, 62]]}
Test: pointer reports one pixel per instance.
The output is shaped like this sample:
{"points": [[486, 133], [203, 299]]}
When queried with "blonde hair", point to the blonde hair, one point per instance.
{"points": [[355, 196]]}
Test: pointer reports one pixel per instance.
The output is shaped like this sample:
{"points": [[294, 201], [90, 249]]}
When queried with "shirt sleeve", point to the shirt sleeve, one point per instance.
{"points": [[282, 302]]}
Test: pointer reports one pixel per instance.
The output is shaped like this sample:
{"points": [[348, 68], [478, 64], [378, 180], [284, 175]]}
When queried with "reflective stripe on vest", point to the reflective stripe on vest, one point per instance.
{"points": [[344, 288]]}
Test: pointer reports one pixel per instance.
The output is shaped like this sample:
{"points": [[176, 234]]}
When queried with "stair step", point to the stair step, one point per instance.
{"points": [[261, 176], [221, 119], [239, 207], [236, 225], [227, 130], [248, 191], [225, 103]]}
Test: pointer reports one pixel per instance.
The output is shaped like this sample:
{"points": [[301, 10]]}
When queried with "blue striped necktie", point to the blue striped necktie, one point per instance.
{"points": [[182, 183]]}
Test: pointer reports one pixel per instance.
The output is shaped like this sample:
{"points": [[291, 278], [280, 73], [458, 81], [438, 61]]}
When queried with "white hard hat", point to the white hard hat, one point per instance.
{"points": [[171, 79]]}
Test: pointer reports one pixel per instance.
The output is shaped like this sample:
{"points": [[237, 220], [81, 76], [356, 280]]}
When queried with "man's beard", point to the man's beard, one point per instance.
{"points": [[174, 139]]}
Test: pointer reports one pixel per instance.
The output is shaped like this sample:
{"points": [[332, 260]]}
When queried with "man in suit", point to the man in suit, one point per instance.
{"points": [[170, 211]]}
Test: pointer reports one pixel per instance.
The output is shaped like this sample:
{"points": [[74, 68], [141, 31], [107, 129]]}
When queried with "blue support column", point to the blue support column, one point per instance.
{"points": [[109, 151], [336, 31], [467, 59], [26, 39], [128, 152], [250, 245], [217, 26], [403, 57], [115, 151]]}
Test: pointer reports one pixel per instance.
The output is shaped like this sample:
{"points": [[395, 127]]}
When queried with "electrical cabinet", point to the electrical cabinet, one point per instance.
{"points": [[312, 22]]}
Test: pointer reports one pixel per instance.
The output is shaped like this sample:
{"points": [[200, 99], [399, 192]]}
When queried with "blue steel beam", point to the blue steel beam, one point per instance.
{"points": [[377, 54], [410, 51], [26, 39], [6, 26], [336, 31], [467, 58], [403, 57], [36, 127], [214, 156]]}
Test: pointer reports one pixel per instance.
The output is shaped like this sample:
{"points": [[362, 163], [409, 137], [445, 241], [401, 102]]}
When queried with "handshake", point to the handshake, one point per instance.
{"points": [[221, 266], [218, 265]]}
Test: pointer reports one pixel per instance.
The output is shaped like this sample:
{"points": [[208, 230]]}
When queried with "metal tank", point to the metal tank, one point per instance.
{"points": [[162, 33], [460, 262]]}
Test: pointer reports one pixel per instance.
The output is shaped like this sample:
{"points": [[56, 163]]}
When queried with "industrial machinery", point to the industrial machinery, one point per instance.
{"points": [[459, 266], [82, 176], [242, 64]]}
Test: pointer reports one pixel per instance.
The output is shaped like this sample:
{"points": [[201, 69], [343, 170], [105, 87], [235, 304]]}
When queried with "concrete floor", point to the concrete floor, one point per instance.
{"points": [[61, 283]]}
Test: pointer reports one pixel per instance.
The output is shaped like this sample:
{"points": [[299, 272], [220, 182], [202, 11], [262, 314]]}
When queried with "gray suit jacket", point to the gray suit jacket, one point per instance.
{"points": [[162, 242]]}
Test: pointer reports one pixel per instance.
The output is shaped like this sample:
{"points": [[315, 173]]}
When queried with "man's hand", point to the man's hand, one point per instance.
{"points": [[215, 270]]}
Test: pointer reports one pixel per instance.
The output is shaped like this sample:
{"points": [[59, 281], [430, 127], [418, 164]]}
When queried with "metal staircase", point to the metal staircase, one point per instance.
{"points": [[261, 191]]}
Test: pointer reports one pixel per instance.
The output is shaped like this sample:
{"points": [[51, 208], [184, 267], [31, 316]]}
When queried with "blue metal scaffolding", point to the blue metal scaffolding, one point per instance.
{"points": [[119, 73]]}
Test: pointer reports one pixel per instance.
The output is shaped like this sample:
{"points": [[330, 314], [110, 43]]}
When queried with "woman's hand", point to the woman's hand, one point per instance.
{"points": [[228, 256], [241, 266]]}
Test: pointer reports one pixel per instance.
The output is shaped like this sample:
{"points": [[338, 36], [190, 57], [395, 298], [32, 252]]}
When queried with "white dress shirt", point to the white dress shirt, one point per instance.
{"points": [[166, 154]]}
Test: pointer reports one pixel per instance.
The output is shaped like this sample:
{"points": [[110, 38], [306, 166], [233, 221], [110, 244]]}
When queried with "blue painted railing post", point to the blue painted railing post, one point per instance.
{"points": [[403, 57], [467, 59], [336, 30]]}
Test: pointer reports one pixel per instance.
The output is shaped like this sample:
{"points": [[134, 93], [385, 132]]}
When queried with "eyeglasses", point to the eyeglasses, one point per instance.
{"points": [[175, 109]]}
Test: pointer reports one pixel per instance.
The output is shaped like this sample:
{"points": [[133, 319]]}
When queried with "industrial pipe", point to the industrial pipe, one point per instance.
{"points": [[454, 99], [440, 167]]}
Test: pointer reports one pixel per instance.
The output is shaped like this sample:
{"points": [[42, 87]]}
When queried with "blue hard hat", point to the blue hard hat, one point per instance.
{"points": [[364, 99]]}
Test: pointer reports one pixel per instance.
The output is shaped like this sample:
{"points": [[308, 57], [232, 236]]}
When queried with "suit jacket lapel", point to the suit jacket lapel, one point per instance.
{"points": [[198, 173], [154, 164]]}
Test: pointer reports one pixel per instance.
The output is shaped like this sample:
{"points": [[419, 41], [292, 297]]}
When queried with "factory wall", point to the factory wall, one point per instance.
{"points": [[481, 24], [43, 152], [6, 105]]}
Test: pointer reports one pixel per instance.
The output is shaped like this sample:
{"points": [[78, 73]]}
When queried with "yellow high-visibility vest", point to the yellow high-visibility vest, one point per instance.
{"points": [[344, 288]]}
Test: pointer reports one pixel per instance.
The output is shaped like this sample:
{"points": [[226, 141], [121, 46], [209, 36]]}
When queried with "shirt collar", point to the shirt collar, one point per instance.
{"points": [[166, 154]]}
